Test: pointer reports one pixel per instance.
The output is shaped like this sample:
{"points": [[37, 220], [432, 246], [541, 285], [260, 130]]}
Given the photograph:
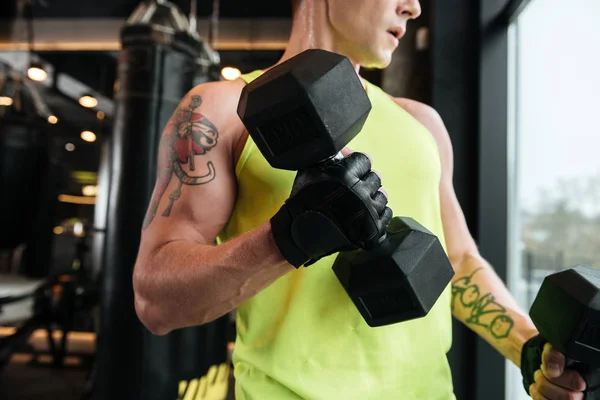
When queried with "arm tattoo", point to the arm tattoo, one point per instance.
{"points": [[485, 311], [189, 134]]}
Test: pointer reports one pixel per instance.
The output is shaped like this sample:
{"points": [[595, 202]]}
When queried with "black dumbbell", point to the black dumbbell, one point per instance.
{"points": [[566, 312], [303, 112]]}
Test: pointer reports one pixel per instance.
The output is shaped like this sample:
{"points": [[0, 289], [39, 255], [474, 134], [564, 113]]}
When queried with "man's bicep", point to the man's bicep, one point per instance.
{"points": [[195, 186]]}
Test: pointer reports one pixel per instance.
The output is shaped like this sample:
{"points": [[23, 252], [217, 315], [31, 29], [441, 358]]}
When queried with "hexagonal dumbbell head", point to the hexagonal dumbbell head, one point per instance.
{"points": [[304, 110], [566, 311], [399, 280]]}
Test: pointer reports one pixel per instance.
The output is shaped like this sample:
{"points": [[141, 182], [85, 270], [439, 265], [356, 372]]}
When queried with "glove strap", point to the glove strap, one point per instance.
{"points": [[308, 237], [280, 227], [318, 234]]}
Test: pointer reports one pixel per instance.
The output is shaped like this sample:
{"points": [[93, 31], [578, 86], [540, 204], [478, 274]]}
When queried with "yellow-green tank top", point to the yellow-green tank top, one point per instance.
{"points": [[302, 337]]}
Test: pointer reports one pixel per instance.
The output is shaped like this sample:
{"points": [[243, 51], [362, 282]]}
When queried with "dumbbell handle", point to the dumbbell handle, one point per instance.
{"points": [[338, 156]]}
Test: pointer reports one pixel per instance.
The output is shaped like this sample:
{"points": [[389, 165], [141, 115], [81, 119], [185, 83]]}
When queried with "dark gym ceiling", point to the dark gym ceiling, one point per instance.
{"points": [[97, 69], [123, 8]]}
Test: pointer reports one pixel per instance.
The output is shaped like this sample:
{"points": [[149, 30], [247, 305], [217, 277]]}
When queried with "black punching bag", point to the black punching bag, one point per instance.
{"points": [[28, 191], [156, 69]]}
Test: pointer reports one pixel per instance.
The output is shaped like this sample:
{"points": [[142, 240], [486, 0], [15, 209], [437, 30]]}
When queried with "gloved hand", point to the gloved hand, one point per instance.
{"points": [[546, 375], [334, 206]]}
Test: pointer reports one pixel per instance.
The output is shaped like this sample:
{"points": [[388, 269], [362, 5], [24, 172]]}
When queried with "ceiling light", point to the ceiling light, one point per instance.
{"points": [[88, 136], [88, 101], [70, 147], [100, 115], [52, 119], [6, 101], [230, 73], [58, 230], [90, 190], [36, 72]]}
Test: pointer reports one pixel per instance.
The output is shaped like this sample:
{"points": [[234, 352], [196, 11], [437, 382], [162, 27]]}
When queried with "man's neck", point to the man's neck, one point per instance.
{"points": [[311, 30]]}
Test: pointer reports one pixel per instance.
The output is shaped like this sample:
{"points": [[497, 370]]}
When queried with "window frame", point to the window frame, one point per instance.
{"points": [[497, 168], [470, 89]]}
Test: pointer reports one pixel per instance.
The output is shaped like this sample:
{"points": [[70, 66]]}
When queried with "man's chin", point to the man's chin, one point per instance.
{"points": [[379, 62]]}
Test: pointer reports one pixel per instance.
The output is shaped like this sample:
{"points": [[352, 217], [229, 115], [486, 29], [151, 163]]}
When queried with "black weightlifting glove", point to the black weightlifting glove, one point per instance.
{"points": [[335, 206], [531, 361]]}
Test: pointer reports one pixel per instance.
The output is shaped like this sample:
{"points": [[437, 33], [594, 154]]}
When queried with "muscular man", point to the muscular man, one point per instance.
{"points": [[299, 335]]}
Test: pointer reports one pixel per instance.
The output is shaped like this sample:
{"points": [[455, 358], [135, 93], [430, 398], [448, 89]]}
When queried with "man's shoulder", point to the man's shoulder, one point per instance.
{"points": [[221, 94], [218, 102], [424, 113]]}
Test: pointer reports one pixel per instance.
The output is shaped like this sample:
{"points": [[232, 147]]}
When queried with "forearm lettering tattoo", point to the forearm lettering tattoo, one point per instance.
{"points": [[485, 311], [189, 134]]}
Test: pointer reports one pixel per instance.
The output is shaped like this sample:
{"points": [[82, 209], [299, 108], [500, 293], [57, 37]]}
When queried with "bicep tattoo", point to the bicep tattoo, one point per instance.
{"points": [[189, 136]]}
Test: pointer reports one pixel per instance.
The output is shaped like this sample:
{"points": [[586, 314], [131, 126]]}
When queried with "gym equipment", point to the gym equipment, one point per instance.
{"points": [[56, 302], [158, 65], [29, 177], [303, 112], [566, 312]]}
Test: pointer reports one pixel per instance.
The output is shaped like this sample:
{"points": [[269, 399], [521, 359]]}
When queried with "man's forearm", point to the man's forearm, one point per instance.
{"points": [[483, 303], [187, 284]]}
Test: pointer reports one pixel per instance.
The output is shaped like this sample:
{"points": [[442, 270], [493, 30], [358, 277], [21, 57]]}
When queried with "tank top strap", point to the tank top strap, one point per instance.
{"points": [[250, 76]]}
